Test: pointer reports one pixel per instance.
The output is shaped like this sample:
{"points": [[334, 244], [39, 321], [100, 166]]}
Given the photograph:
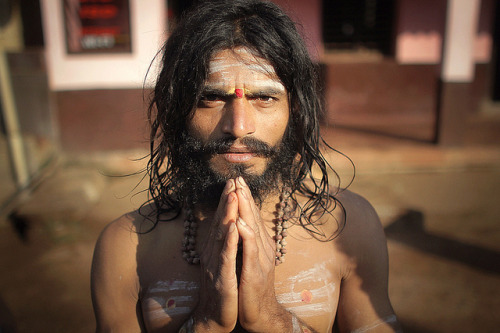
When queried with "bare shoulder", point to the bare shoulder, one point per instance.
{"points": [[115, 277], [114, 280], [353, 221], [115, 250], [119, 240], [362, 240], [121, 233], [359, 213], [364, 267]]}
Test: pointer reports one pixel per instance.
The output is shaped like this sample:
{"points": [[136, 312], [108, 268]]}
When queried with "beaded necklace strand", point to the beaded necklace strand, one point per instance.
{"points": [[284, 208]]}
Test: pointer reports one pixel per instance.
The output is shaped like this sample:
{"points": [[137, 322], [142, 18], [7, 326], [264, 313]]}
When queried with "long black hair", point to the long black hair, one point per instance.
{"points": [[264, 29]]}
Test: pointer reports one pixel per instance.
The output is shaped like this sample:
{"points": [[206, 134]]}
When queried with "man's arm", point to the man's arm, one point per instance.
{"points": [[364, 304], [114, 281]]}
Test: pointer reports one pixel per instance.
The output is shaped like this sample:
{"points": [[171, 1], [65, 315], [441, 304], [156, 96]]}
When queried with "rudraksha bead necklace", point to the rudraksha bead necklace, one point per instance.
{"points": [[190, 254]]}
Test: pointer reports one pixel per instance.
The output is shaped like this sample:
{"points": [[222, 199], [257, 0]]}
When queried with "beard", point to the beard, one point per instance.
{"points": [[200, 184]]}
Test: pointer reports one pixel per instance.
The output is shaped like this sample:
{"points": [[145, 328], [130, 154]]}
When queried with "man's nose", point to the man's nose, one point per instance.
{"points": [[239, 118]]}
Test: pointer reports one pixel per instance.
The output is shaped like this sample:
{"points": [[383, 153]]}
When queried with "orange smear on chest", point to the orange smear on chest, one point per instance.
{"points": [[306, 296]]}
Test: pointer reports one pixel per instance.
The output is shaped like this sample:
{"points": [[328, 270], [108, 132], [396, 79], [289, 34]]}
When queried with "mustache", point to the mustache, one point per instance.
{"points": [[223, 145]]}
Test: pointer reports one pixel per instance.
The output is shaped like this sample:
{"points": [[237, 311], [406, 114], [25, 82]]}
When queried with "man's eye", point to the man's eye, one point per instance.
{"points": [[266, 98], [210, 98]]}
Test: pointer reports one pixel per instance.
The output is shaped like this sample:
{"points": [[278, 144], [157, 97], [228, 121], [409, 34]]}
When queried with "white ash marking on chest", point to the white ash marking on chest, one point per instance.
{"points": [[304, 301], [165, 299]]}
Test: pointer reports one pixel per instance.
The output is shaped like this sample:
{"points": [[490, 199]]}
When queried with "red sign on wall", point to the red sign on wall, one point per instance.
{"points": [[97, 26]]}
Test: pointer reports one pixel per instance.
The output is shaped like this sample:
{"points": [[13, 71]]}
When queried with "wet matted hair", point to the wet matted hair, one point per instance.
{"points": [[265, 30]]}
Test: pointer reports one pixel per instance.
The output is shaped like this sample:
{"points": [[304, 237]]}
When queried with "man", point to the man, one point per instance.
{"points": [[234, 142]]}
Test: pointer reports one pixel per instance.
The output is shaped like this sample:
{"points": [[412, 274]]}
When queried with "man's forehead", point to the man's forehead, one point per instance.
{"points": [[229, 58]]}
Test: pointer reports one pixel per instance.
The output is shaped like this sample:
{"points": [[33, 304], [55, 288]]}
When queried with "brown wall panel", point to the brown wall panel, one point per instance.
{"points": [[384, 97], [101, 120]]}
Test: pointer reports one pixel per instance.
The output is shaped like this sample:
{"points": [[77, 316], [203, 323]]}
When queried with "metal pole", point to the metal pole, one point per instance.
{"points": [[14, 136]]}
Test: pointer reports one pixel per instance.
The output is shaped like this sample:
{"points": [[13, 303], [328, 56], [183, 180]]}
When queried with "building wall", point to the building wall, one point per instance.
{"points": [[421, 26], [420, 30], [98, 98], [103, 71], [99, 106], [383, 97], [400, 92], [308, 16], [99, 120], [405, 96]]}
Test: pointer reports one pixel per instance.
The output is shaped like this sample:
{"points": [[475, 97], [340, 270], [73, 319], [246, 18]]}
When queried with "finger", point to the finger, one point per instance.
{"points": [[231, 210], [249, 212], [221, 208], [250, 248], [245, 201], [219, 227], [241, 184], [228, 256], [219, 230], [259, 226], [256, 223], [221, 217]]}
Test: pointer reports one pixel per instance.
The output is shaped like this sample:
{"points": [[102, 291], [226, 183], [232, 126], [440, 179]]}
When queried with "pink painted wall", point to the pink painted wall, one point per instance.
{"points": [[308, 15], [420, 29], [421, 26], [484, 40]]}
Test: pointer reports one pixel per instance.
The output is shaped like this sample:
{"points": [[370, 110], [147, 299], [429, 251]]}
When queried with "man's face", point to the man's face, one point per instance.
{"points": [[244, 103]]}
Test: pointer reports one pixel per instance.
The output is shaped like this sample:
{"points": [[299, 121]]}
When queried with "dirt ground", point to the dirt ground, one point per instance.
{"points": [[440, 209]]}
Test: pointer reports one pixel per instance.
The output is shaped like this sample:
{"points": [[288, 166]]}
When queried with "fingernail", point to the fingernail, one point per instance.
{"points": [[231, 227], [229, 186], [240, 221]]}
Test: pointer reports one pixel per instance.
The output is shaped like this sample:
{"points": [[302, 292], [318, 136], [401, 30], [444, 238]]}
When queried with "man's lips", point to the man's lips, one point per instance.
{"points": [[238, 154]]}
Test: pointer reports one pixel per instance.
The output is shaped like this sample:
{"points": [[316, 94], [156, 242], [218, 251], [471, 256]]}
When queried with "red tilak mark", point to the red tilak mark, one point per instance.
{"points": [[171, 303], [239, 93]]}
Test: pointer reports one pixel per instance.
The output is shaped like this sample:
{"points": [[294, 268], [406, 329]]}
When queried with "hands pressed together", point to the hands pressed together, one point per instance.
{"points": [[223, 301]]}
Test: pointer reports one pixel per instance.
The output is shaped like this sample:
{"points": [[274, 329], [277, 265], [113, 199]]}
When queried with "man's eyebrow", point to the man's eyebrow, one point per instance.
{"points": [[208, 90], [264, 91], [257, 91]]}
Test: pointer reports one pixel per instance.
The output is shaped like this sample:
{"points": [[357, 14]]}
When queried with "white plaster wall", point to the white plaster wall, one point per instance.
{"points": [[461, 27], [104, 71]]}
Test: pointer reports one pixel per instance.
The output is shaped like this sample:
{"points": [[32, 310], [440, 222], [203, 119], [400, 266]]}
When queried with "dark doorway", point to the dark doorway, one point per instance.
{"points": [[359, 24]]}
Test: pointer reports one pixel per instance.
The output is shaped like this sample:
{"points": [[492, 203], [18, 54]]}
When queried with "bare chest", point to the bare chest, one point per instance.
{"points": [[309, 291]]}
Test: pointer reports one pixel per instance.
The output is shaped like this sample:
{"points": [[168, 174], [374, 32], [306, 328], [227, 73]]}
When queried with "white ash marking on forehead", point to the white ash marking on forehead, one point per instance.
{"points": [[253, 86], [221, 65], [241, 55]]}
